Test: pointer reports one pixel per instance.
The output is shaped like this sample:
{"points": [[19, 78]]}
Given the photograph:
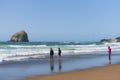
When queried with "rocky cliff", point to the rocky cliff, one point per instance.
{"points": [[111, 40], [20, 36]]}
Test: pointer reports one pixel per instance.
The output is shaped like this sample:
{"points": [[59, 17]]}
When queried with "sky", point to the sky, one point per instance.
{"points": [[60, 20]]}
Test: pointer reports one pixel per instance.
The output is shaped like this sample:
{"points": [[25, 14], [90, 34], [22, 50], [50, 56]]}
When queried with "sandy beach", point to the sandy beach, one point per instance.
{"points": [[109, 72]]}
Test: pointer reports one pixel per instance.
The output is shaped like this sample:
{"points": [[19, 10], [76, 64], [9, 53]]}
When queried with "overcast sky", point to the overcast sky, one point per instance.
{"points": [[60, 20]]}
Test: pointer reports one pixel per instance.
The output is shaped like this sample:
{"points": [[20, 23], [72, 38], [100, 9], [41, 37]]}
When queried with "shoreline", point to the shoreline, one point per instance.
{"points": [[36, 67], [109, 72]]}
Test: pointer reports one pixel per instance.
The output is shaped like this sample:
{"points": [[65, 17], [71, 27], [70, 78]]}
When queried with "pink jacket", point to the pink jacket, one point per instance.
{"points": [[109, 50]]}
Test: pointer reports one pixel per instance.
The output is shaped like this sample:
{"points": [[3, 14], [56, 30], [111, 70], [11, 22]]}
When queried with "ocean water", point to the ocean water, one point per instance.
{"points": [[10, 51], [21, 60]]}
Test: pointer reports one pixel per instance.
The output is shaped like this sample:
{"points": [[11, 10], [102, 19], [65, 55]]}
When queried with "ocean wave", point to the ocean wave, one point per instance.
{"points": [[25, 51], [26, 46]]}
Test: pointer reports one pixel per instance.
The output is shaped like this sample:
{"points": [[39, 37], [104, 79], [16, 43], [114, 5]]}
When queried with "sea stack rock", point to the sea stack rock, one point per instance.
{"points": [[20, 36], [118, 39], [109, 40]]}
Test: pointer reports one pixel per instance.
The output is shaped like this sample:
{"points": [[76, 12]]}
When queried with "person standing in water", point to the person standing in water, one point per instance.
{"points": [[51, 53], [109, 54], [59, 52], [59, 59], [51, 60]]}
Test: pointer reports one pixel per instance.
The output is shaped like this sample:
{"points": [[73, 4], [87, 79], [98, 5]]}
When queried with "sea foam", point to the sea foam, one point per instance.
{"points": [[23, 51]]}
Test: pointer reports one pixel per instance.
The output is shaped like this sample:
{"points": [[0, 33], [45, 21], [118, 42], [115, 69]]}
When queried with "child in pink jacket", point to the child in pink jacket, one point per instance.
{"points": [[109, 53]]}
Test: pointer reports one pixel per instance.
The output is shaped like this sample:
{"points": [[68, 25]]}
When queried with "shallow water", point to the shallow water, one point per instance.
{"points": [[21, 69]]}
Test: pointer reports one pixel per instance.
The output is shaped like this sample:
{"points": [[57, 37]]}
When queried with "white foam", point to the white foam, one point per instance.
{"points": [[25, 46], [18, 52]]}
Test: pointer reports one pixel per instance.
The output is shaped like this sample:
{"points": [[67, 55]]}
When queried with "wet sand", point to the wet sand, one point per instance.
{"points": [[109, 72], [35, 67]]}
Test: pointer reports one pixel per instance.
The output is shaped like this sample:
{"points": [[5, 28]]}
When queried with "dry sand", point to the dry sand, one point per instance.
{"points": [[110, 72]]}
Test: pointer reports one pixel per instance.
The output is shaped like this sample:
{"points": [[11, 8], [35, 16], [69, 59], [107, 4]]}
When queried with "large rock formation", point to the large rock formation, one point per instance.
{"points": [[108, 40], [118, 39], [111, 40], [20, 36]]}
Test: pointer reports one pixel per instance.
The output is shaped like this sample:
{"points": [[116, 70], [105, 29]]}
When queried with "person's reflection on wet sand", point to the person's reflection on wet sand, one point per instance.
{"points": [[52, 64], [60, 64], [109, 62]]}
